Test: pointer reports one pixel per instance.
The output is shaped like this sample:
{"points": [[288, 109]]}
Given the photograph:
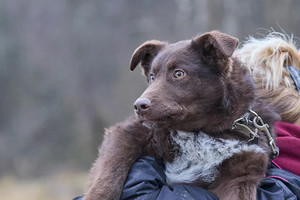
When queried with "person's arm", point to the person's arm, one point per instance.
{"points": [[146, 180]]}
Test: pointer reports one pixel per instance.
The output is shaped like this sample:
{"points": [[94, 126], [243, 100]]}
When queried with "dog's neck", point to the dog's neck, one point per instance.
{"points": [[238, 98], [200, 155]]}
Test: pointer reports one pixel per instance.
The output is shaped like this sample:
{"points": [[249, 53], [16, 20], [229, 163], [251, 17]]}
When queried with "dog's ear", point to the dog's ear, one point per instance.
{"points": [[145, 53], [215, 40], [215, 47]]}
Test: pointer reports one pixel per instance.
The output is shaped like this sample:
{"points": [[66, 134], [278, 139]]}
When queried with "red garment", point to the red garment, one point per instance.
{"points": [[288, 141]]}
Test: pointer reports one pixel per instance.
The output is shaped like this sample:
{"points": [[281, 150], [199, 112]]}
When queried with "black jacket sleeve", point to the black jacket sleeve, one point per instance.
{"points": [[147, 181], [279, 184]]}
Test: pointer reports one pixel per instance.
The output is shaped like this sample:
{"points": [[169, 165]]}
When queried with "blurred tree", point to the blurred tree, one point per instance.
{"points": [[64, 71]]}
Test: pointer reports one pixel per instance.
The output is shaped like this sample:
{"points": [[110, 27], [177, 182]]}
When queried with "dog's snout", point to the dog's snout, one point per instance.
{"points": [[141, 104]]}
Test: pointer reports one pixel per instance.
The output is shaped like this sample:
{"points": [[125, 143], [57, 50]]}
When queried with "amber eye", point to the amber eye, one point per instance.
{"points": [[152, 77], [179, 74]]}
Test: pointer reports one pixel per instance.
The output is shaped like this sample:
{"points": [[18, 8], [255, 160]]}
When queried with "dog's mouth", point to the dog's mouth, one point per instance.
{"points": [[157, 123], [162, 119]]}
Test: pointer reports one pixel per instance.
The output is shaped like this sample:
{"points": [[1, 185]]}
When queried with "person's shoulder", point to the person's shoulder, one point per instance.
{"points": [[287, 129]]}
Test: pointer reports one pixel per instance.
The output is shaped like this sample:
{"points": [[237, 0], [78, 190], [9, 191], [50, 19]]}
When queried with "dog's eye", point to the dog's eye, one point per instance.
{"points": [[152, 77], [179, 74]]}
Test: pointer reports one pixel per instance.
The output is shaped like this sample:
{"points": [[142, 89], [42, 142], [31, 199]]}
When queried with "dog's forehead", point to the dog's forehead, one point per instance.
{"points": [[172, 53]]}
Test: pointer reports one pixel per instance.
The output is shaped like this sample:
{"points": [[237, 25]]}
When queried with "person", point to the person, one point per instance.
{"points": [[274, 63]]}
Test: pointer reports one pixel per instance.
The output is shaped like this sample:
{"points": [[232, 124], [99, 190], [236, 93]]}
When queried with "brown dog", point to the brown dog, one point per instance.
{"points": [[198, 114]]}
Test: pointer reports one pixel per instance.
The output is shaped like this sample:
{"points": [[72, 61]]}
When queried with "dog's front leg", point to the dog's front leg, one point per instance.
{"points": [[239, 176], [122, 145]]}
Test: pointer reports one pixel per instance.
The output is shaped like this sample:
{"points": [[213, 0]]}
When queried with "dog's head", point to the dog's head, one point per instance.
{"points": [[190, 82]]}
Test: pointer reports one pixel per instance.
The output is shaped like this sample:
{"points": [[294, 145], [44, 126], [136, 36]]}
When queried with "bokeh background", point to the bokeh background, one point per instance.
{"points": [[64, 76]]}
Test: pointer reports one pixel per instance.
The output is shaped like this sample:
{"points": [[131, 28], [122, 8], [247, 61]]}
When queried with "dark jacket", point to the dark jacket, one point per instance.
{"points": [[147, 181]]}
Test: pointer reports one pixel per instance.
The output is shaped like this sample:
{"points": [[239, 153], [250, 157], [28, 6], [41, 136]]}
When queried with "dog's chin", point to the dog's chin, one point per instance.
{"points": [[150, 124], [161, 122]]}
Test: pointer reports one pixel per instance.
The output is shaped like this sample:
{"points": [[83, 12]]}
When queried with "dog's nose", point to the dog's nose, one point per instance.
{"points": [[141, 104]]}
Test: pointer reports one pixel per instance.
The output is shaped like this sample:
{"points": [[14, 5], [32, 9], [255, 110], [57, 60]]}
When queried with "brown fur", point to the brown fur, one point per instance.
{"points": [[239, 175], [214, 90]]}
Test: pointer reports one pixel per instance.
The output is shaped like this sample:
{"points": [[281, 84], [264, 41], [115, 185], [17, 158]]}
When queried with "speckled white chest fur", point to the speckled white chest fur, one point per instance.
{"points": [[200, 155]]}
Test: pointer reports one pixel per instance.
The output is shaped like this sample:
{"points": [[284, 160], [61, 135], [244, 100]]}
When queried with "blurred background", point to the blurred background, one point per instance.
{"points": [[64, 76]]}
